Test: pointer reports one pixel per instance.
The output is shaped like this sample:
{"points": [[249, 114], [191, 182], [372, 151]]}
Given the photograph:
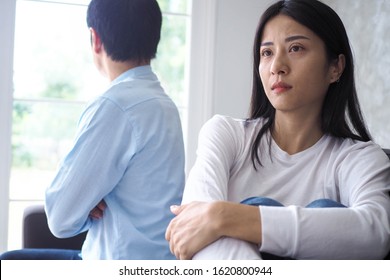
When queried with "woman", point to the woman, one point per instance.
{"points": [[305, 141]]}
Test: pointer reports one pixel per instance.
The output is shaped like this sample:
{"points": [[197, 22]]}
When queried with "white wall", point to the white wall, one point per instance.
{"points": [[368, 27], [235, 30]]}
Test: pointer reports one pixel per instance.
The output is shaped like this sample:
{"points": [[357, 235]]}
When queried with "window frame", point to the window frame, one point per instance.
{"points": [[202, 72], [7, 29]]}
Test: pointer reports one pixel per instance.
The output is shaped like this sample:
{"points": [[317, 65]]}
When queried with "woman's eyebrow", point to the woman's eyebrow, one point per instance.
{"points": [[287, 40], [296, 37]]}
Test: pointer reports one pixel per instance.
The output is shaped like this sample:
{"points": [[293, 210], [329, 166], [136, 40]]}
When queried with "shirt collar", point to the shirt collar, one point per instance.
{"points": [[144, 71]]}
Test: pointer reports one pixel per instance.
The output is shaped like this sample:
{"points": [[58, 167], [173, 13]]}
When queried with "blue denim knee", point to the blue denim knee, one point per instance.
{"points": [[266, 201]]}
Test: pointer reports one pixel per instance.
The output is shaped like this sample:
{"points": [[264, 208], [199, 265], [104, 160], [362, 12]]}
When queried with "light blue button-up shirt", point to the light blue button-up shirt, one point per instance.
{"points": [[128, 151]]}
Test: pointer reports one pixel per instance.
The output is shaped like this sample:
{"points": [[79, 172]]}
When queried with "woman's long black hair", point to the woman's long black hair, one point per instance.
{"points": [[341, 114]]}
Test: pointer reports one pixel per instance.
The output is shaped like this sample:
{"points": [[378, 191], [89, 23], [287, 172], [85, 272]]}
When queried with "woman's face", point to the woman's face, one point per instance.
{"points": [[294, 68]]}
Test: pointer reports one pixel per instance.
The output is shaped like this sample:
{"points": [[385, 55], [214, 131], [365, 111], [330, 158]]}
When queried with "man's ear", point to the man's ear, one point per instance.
{"points": [[96, 42], [337, 68]]}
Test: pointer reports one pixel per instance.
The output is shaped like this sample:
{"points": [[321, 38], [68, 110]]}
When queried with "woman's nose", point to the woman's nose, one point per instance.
{"points": [[279, 65]]}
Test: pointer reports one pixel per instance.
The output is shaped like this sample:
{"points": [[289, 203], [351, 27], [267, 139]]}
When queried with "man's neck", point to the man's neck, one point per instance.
{"points": [[113, 69]]}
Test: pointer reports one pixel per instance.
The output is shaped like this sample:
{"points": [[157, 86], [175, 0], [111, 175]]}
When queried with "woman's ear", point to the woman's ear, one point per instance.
{"points": [[337, 68]]}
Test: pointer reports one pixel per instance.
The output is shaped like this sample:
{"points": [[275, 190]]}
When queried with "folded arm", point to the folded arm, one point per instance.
{"points": [[89, 172], [198, 224]]}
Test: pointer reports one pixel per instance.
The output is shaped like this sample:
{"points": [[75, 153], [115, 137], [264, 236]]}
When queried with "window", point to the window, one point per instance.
{"points": [[54, 77]]}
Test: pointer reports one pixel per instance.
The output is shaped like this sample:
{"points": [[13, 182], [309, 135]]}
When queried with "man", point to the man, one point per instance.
{"points": [[129, 151], [127, 164]]}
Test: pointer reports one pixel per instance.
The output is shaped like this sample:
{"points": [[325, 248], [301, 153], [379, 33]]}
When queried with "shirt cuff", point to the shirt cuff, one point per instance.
{"points": [[279, 230]]}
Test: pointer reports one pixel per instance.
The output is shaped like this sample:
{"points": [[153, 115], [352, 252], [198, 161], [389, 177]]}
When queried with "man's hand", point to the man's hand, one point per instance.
{"points": [[98, 210]]}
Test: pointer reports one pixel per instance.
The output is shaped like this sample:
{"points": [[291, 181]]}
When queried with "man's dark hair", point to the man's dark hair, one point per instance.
{"points": [[128, 29]]}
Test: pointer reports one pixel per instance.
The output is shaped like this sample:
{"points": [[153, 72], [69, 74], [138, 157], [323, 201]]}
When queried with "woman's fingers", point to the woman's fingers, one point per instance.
{"points": [[191, 230]]}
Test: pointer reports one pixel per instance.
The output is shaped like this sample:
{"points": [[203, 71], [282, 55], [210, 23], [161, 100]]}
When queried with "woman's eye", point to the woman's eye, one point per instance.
{"points": [[266, 53], [295, 48]]}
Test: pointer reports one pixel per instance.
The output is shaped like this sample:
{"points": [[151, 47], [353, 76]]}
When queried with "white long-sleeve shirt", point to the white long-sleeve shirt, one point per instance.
{"points": [[355, 173]]}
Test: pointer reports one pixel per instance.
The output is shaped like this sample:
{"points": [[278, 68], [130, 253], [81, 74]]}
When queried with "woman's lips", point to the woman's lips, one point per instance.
{"points": [[280, 87]]}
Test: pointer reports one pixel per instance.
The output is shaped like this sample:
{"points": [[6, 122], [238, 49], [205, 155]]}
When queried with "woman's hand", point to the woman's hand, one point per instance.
{"points": [[198, 224], [194, 227], [98, 210]]}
